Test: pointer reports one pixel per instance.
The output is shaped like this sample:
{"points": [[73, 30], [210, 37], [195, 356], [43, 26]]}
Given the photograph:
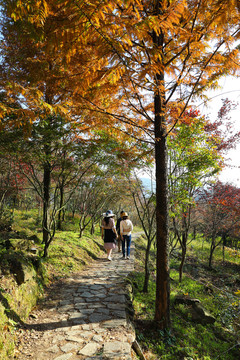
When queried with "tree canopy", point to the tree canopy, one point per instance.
{"points": [[131, 65]]}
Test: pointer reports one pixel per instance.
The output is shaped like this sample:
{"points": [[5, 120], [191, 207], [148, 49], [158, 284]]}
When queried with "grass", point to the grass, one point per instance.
{"points": [[218, 291], [68, 254]]}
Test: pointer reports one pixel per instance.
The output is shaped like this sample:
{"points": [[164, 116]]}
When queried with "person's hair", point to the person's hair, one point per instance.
{"points": [[122, 212], [106, 219]]}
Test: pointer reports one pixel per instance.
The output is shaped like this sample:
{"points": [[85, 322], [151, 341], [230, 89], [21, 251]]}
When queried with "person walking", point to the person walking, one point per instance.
{"points": [[109, 233], [118, 231], [126, 227]]}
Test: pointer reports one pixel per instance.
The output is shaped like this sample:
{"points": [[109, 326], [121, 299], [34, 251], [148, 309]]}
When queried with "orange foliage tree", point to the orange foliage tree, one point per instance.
{"points": [[42, 89], [162, 53], [159, 54]]}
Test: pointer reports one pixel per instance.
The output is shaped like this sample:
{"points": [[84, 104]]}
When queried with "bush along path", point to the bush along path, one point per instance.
{"points": [[84, 317]]}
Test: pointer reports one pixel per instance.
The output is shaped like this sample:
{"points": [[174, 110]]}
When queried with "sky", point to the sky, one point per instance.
{"points": [[231, 90]]}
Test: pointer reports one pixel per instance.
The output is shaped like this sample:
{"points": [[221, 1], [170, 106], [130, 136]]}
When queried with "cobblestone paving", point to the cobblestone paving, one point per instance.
{"points": [[89, 318]]}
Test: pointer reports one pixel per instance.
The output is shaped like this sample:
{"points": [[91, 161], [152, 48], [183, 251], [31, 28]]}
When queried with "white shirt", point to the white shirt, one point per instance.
{"points": [[126, 227]]}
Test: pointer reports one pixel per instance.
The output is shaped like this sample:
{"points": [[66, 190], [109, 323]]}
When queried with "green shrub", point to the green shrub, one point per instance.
{"points": [[188, 339], [6, 219]]}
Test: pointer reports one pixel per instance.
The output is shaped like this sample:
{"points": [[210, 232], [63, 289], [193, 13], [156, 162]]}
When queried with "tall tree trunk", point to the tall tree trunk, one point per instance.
{"points": [[162, 310], [162, 305]]}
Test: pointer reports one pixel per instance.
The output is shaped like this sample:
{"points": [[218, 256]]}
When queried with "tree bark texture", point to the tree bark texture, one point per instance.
{"points": [[162, 305], [162, 310]]}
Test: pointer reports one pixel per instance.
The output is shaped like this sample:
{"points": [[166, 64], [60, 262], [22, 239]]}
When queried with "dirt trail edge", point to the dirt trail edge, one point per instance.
{"points": [[84, 317]]}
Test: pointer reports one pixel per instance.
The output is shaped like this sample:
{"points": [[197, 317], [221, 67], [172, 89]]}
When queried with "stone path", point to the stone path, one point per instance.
{"points": [[88, 320]]}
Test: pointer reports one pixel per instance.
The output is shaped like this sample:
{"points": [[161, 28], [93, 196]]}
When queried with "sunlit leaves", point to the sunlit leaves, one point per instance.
{"points": [[110, 44]]}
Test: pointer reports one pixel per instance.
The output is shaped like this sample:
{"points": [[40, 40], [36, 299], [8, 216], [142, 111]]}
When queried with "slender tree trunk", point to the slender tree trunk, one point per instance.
{"points": [[39, 209], [80, 233], [184, 251], [186, 221], [147, 272], [81, 226], [46, 204], [194, 232], [212, 248], [45, 251], [224, 243], [92, 228], [59, 224], [73, 213]]}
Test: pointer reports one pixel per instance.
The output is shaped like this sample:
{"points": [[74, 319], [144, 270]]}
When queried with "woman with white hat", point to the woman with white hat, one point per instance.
{"points": [[109, 233], [126, 228]]}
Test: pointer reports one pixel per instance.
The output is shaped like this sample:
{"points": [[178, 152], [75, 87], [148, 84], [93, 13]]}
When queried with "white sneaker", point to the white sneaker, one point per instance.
{"points": [[128, 257], [109, 258], [123, 258]]}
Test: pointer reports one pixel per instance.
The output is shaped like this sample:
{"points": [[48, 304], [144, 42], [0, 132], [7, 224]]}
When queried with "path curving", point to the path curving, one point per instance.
{"points": [[86, 319]]}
